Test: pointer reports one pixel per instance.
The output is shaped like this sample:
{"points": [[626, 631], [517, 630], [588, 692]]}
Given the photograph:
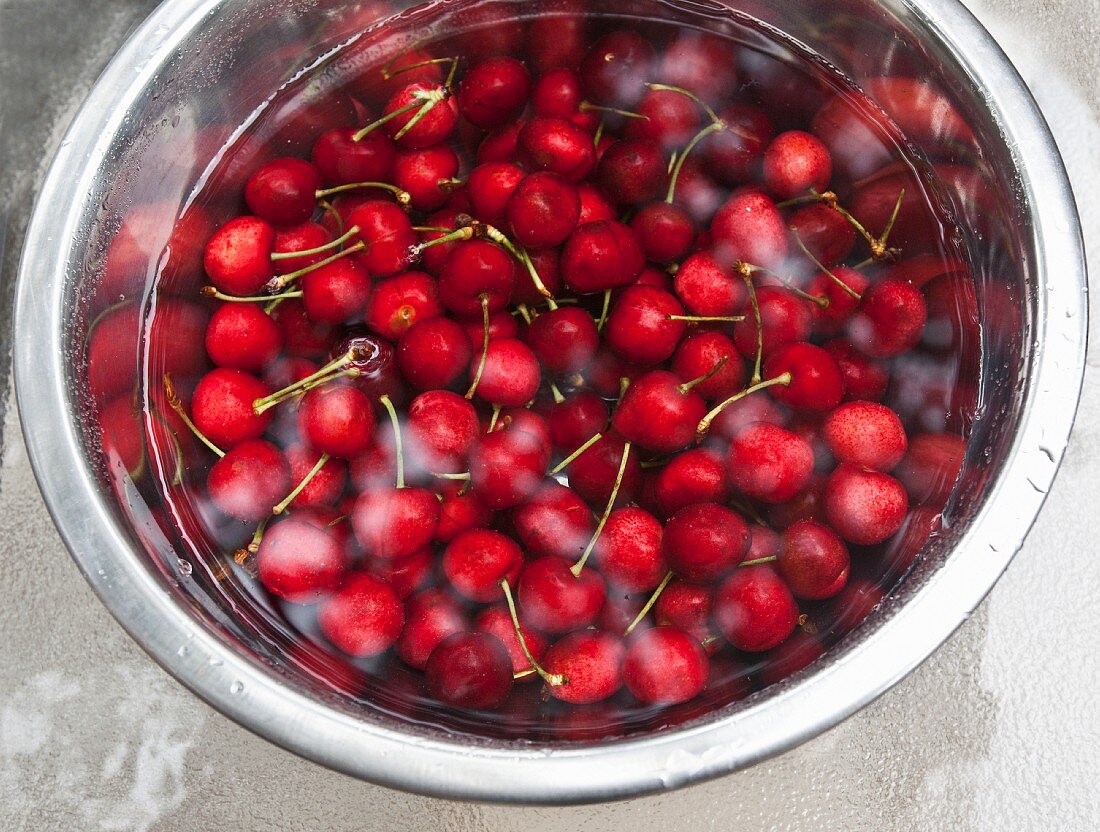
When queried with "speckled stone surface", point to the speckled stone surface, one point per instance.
{"points": [[998, 730]]}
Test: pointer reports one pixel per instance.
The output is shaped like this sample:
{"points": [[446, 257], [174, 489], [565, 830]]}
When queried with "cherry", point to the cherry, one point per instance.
{"points": [[827, 235], [222, 407], [337, 420], [442, 428], [601, 255], [749, 227], [864, 507], [564, 340], [763, 542], [557, 94], [595, 207], [616, 67], [813, 560], [283, 192], [476, 268], [796, 653], [506, 467], [699, 353], [364, 617], [644, 326], [629, 550], [694, 476], [494, 91], [418, 115], [460, 510], [890, 319], [401, 301], [510, 377], [734, 154], [704, 541], [431, 615], [816, 381], [249, 480], [865, 379], [342, 161], [302, 336], [470, 670], [575, 420], [241, 336], [388, 235], [497, 621], [546, 263], [526, 420], [475, 562], [686, 606], [931, 466], [426, 175], [633, 171], [237, 257], [371, 363], [406, 575], [593, 473], [294, 241], [590, 664], [669, 117], [796, 162], [769, 463], [556, 37], [659, 412], [667, 231], [866, 434], [324, 485], [501, 325], [708, 288], [754, 609], [543, 210], [434, 353], [784, 319], [664, 666], [554, 600], [393, 523], [841, 287], [491, 185], [807, 504], [558, 146], [553, 521], [336, 293], [500, 145], [299, 562]]}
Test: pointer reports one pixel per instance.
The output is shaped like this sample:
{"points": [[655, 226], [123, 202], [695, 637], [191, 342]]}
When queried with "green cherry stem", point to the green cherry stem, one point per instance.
{"points": [[403, 196], [824, 269], [758, 561], [212, 292], [277, 284], [175, 403], [306, 252], [578, 567], [688, 94], [704, 423], [313, 472], [561, 466], [713, 127], [644, 611], [706, 318], [398, 452], [326, 373], [687, 386], [552, 679], [588, 106], [484, 346], [745, 270]]}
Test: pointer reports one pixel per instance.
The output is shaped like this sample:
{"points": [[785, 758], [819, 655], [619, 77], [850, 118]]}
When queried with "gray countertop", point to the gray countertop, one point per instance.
{"points": [[996, 731]]}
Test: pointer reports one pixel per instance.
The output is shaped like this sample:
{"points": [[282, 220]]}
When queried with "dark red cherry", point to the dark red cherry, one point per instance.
{"points": [[406, 575], [704, 541], [337, 292], [694, 476], [510, 377], [364, 617], [590, 664], [633, 171], [434, 354], [249, 480], [833, 318], [387, 232], [825, 232], [594, 205], [735, 154], [671, 119], [554, 521], [475, 562], [699, 353], [394, 523], [706, 287], [497, 621], [664, 666], [490, 186], [864, 507], [574, 421], [283, 192], [769, 463], [469, 670], [506, 467], [667, 231], [237, 257], [441, 429], [816, 382], [344, 161], [401, 301], [601, 255], [543, 210], [552, 599], [500, 145], [433, 124], [564, 340], [222, 407], [629, 553], [750, 228], [865, 379], [796, 163], [616, 67], [813, 560], [558, 146], [337, 420], [459, 510], [373, 362], [659, 412], [241, 336], [299, 562], [641, 328], [931, 466], [494, 91], [687, 606], [557, 94], [426, 175], [475, 268], [889, 320], [431, 615], [325, 486], [754, 609], [785, 318], [297, 238], [593, 473]]}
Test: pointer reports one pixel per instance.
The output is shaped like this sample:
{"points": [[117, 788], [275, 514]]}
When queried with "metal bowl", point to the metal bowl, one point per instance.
{"points": [[142, 131]]}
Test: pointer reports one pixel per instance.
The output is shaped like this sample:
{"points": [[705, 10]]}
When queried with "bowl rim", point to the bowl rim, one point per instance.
{"points": [[244, 692]]}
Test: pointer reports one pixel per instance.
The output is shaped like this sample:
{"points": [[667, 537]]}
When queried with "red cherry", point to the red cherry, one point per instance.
{"points": [[813, 561], [572, 422], [526, 420], [501, 325], [373, 361], [364, 617], [687, 606], [829, 237], [865, 434], [475, 563], [558, 146], [616, 67], [460, 510], [425, 175], [470, 670], [475, 268], [394, 523], [807, 504], [543, 210], [249, 480], [241, 336], [557, 94], [667, 231], [406, 575], [431, 615], [889, 320], [302, 336], [694, 476], [511, 374], [699, 353], [865, 379], [564, 340], [865, 507], [707, 288], [797, 652], [337, 420], [633, 171], [590, 662], [308, 235], [833, 318], [816, 382], [401, 301], [299, 562], [796, 163], [763, 542], [442, 428], [736, 153], [552, 599], [283, 192], [344, 161], [237, 257], [671, 119], [769, 463], [749, 227], [601, 255], [506, 467], [931, 466], [494, 91], [337, 292], [547, 263], [664, 666], [221, 407], [386, 231], [594, 205], [554, 521], [434, 353], [704, 541], [593, 473], [754, 609], [658, 413], [325, 487], [640, 328], [756, 408], [500, 145], [434, 124], [491, 185], [784, 318], [629, 551], [497, 621]]}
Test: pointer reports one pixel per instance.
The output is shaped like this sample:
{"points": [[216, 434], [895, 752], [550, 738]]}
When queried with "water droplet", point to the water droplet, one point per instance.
{"points": [[237, 687], [184, 567], [214, 662]]}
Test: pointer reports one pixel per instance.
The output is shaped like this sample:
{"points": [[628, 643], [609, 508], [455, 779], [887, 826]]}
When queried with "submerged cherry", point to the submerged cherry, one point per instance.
{"points": [[664, 666], [249, 480], [299, 562], [555, 600], [589, 662], [704, 541], [754, 609], [813, 560], [470, 670], [364, 617]]}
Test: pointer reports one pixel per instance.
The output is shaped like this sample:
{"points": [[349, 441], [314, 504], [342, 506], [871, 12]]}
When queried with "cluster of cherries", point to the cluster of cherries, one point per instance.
{"points": [[502, 388]]}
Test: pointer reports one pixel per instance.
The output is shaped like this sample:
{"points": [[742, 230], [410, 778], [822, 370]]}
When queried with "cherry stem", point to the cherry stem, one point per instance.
{"points": [[175, 403], [713, 127], [398, 452], [431, 98], [578, 567], [876, 244], [824, 196], [313, 472], [704, 423], [686, 387], [242, 555], [586, 106], [212, 292], [331, 211], [624, 385], [561, 466], [599, 133], [689, 94], [523, 674], [747, 508], [277, 284], [301, 385], [552, 679], [498, 237], [644, 611], [493, 419], [746, 273], [388, 72], [603, 312], [524, 313], [463, 476], [559, 397], [466, 233], [425, 100], [705, 318], [306, 252], [484, 298], [374, 125], [758, 561], [403, 196], [824, 269]]}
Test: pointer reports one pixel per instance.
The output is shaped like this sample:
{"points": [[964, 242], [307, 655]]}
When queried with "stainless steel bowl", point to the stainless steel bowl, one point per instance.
{"points": [[195, 63]]}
